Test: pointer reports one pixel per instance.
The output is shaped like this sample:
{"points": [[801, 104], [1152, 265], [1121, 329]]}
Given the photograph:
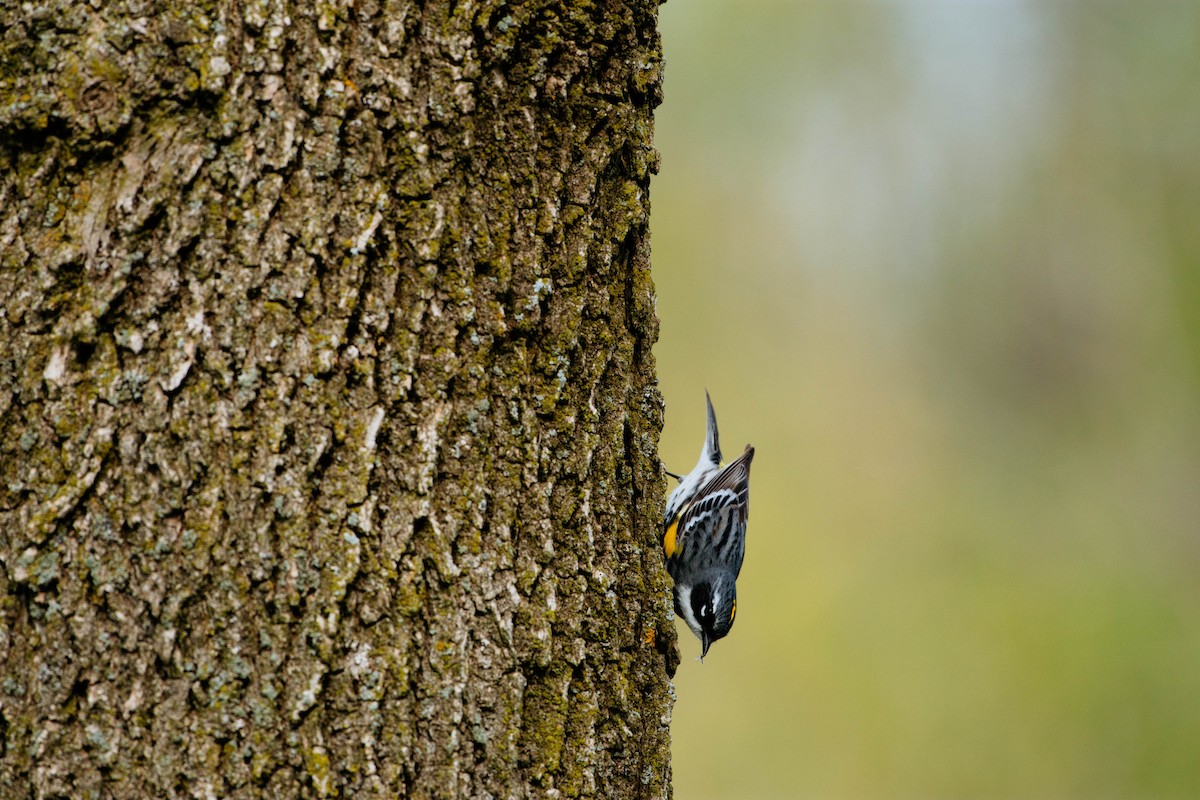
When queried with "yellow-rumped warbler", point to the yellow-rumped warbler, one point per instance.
{"points": [[705, 537]]}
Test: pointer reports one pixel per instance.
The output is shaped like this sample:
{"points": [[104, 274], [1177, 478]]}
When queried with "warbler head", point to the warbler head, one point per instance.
{"points": [[708, 607]]}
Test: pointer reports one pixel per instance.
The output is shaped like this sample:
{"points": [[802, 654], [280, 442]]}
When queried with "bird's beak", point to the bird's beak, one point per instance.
{"points": [[705, 643]]}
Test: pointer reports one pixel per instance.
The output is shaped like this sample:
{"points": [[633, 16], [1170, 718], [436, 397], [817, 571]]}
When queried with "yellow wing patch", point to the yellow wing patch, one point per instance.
{"points": [[669, 538], [733, 612]]}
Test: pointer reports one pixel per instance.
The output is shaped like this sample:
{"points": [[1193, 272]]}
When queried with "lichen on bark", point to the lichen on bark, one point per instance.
{"points": [[328, 418]]}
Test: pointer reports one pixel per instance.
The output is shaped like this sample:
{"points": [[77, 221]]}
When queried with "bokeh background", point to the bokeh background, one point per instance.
{"points": [[940, 263]]}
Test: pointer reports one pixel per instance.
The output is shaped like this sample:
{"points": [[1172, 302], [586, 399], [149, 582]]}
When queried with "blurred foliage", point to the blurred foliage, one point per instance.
{"points": [[940, 263]]}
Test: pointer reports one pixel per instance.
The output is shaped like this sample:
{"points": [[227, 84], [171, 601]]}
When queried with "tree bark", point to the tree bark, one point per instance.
{"points": [[328, 417]]}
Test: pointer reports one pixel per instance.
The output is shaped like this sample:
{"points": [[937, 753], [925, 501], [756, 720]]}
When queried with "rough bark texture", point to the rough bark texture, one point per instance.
{"points": [[328, 420]]}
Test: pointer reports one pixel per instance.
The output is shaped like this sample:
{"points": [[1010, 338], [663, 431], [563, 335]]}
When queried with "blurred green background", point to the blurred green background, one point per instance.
{"points": [[940, 263]]}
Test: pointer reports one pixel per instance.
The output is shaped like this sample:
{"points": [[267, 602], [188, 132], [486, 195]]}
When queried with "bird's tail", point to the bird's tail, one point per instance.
{"points": [[712, 442]]}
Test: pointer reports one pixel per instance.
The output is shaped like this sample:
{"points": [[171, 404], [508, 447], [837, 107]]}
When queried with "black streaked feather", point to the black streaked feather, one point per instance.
{"points": [[722, 509]]}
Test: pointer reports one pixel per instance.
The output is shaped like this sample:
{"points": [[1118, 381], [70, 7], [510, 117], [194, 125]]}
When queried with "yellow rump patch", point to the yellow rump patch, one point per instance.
{"points": [[669, 538]]}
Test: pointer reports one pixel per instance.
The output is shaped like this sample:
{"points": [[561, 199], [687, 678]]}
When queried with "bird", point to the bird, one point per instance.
{"points": [[704, 537]]}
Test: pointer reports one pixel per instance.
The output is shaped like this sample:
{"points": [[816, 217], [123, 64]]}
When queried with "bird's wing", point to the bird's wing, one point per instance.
{"points": [[717, 518]]}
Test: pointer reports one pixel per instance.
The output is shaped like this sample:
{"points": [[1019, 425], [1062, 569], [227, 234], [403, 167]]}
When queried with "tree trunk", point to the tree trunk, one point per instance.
{"points": [[328, 417]]}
